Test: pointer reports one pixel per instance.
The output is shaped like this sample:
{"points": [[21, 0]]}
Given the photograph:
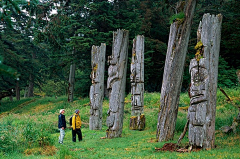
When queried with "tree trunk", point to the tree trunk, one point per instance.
{"points": [[116, 83], [203, 91], [25, 92], [173, 73], [31, 78], [11, 98], [71, 81], [97, 88], [137, 84], [17, 91], [30, 86]]}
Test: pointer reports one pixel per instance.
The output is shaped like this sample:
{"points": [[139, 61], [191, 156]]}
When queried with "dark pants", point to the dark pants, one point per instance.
{"points": [[78, 132]]}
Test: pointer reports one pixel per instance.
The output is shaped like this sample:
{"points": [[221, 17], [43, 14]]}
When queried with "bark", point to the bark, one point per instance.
{"points": [[173, 74], [30, 86], [116, 83], [203, 90], [17, 91], [25, 92], [137, 84], [97, 88]]}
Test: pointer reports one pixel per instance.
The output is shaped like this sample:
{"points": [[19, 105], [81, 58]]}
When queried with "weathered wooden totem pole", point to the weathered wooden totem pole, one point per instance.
{"points": [[137, 120], [173, 73], [97, 88], [116, 83], [203, 90], [71, 80]]}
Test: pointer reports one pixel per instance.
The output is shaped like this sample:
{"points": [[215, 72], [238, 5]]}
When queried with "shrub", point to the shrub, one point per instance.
{"points": [[226, 75]]}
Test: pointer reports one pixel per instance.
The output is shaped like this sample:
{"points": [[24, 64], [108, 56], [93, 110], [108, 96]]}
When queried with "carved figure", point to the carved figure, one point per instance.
{"points": [[137, 121], [97, 88], [197, 112], [116, 83]]}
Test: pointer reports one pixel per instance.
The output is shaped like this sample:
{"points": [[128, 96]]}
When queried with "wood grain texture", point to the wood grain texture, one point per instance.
{"points": [[137, 83], [116, 83], [173, 74], [96, 93], [203, 90]]}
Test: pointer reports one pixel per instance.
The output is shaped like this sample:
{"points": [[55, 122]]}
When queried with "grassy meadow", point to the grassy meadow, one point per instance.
{"points": [[28, 129]]}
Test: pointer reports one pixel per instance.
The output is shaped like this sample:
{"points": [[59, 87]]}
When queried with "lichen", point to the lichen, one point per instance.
{"points": [[199, 45], [95, 68], [180, 21], [142, 116], [199, 52]]}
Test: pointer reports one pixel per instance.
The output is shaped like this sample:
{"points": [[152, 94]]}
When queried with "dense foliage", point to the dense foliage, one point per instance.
{"points": [[40, 39]]}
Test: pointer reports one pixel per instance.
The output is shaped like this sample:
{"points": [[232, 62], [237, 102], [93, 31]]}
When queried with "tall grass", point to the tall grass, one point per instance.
{"points": [[30, 131], [21, 133]]}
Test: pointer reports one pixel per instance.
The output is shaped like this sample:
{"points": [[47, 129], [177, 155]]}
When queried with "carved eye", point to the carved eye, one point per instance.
{"points": [[198, 78]]}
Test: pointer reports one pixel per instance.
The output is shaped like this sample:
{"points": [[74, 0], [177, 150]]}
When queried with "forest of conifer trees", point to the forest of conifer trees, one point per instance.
{"points": [[37, 41]]}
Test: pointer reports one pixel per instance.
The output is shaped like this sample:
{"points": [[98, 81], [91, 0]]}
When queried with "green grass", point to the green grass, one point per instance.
{"points": [[7, 105], [30, 131]]}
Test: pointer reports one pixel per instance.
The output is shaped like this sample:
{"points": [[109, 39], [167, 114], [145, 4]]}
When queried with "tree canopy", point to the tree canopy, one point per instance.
{"points": [[37, 38]]}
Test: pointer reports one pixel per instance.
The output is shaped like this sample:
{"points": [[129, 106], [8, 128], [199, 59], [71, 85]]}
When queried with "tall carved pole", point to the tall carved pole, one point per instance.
{"points": [[137, 121], [173, 73], [97, 88], [116, 83], [203, 91], [71, 80]]}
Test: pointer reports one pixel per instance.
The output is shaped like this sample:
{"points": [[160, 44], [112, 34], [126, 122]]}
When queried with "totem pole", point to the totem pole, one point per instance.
{"points": [[116, 83], [203, 90], [137, 120], [97, 88]]}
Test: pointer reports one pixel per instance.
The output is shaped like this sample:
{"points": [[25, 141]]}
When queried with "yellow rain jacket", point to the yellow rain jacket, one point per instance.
{"points": [[76, 121]]}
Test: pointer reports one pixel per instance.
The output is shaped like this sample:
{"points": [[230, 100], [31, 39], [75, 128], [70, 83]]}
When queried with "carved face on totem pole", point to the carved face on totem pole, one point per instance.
{"points": [[199, 81], [112, 70], [198, 92]]}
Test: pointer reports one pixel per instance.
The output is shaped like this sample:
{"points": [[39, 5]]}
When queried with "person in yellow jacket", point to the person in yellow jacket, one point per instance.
{"points": [[76, 126]]}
